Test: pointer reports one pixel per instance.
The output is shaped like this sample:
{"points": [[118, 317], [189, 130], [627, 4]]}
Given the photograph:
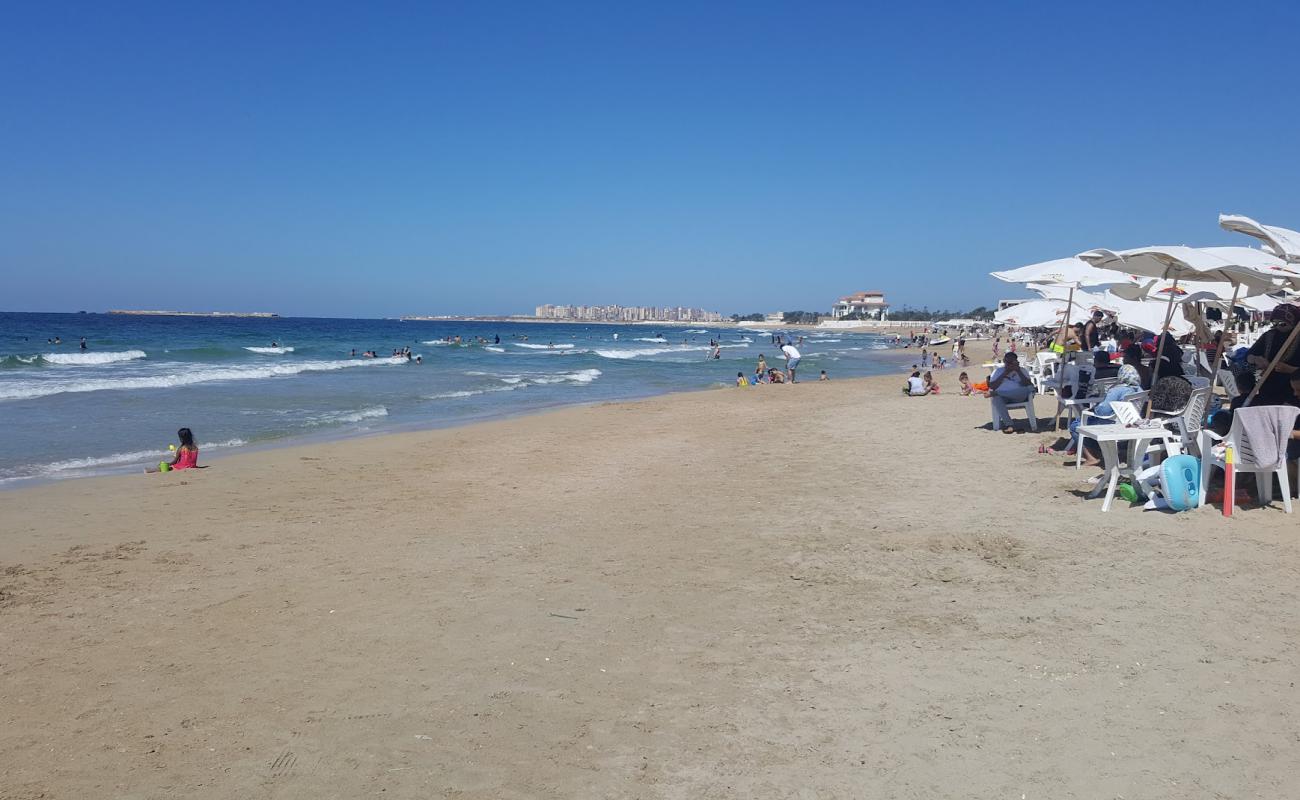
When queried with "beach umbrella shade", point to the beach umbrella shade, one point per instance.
{"points": [[1241, 266], [1069, 273], [1050, 311], [1282, 242]]}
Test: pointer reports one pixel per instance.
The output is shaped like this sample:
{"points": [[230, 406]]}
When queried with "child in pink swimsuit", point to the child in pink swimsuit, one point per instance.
{"points": [[187, 455]]}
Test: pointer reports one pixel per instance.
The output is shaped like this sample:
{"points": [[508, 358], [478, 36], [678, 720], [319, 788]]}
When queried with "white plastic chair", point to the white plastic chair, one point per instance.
{"points": [[1229, 382], [1028, 407], [1044, 371], [1122, 412], [1191, 419], [1244, 461]]}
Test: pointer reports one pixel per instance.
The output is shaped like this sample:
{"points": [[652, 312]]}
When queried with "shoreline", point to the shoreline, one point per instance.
{"points": [[344, 435]]}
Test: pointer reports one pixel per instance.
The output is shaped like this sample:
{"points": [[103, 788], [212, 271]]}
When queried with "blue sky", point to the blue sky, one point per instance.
{"points": [[359, 159]]}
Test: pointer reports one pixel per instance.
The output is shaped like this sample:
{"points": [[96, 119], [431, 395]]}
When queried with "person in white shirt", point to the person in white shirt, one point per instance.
{"points": [[1009, 383], [791, 359], [916, 385]]}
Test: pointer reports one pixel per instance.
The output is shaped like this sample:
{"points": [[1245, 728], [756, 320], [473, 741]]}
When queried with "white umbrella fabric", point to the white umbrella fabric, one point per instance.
{"points": [[1061, 272], [1050, 311], [1283, 242], [1257, 270], [1069, 273]]}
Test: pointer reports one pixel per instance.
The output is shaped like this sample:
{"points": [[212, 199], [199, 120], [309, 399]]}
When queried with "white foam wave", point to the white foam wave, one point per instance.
{"points": [[695, 330], [270, 351], [659, 340], [544, 346], [623, 353], [84, 359], [581, 376], [495, 349], [437, 342], [118, 459], [520, 379], [472, 392], [344, 417], [26, 390]]}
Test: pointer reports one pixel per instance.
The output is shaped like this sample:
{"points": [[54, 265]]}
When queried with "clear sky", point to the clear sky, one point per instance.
{"points": [[373, 159]]}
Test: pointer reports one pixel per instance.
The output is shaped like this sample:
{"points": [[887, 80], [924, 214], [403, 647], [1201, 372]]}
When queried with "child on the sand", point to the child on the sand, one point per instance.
{"points": [[823, 376], [741, 380], [966, 388], [187, 455], [930, 386]]}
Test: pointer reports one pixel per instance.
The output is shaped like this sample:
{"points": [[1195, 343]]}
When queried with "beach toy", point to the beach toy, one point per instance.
{"points": [[163, 466], [1127, 492], [1180, 482], [171, 447]]}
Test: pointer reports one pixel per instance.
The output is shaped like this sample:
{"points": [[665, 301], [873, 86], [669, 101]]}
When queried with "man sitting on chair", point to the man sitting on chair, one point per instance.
{"points": [[1008, 384]]}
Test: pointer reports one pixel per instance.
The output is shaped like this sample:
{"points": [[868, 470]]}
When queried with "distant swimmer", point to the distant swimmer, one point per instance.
{"points": [[83, 344], [496, 339], [275, 344], [354, 352], [616, 337]]}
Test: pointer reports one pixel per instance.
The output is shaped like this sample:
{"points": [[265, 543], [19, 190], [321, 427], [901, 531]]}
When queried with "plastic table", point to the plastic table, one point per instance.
{"points": [[1108, 438]]}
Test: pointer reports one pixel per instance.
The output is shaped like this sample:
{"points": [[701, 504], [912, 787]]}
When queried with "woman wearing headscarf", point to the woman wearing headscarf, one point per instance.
{"points": [[1130, 382], [1276, 390]]}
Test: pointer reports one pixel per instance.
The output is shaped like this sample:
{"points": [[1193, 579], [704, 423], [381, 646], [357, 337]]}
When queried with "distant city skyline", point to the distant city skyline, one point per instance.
{"points": [[372, 161], [617, 313]]}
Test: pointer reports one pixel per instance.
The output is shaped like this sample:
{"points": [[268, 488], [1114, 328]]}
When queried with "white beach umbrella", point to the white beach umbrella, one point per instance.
{"points": [[1061, 272], [1150, 315], [1241, 266], [1283, 242], [1069, 273], [1049, 312]]}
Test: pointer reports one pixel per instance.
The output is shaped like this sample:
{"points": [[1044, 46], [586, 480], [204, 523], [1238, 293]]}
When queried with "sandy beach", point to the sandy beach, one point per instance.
{"points": [[820, 590]]}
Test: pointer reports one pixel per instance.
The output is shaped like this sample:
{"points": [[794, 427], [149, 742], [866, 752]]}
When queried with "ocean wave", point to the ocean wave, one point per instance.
{"points": [[438, 342], [521, 379], [660, 340], [694, 330], [141, 457], [494, 349], [89, 359], [270, 351], [26, 390], [473, 392], [581, 376], [544, 346], [344, 417], [624, 353]]}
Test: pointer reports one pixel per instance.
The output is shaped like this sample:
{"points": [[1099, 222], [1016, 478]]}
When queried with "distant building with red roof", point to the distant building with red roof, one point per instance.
{"points": [[871, 304]]}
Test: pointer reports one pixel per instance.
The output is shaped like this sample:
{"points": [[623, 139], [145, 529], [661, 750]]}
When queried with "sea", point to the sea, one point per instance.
{"points": [[241, 382]]}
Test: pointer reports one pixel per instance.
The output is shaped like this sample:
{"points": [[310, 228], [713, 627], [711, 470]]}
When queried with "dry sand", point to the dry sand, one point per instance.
{"points": [[822, 590]]}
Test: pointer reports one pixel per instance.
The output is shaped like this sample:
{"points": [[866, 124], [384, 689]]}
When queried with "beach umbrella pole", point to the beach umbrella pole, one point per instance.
{"points": [[1164, 330], [1218, 350], [1286, 348]]}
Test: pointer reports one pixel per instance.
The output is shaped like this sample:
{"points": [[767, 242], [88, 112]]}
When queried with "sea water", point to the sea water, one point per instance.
{"points": [[247, 382]]}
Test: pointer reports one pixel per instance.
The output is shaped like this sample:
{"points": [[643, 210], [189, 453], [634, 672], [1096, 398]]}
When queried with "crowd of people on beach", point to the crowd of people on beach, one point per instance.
{"points": [[765, 374], [1115, 363]]}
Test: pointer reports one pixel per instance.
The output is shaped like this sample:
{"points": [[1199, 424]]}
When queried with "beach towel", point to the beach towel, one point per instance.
{"points": [[1267, 430]]}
